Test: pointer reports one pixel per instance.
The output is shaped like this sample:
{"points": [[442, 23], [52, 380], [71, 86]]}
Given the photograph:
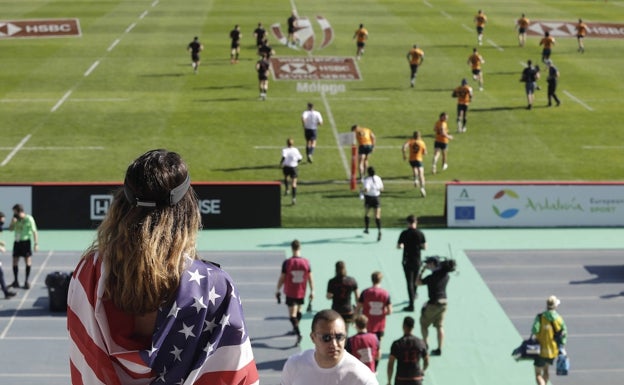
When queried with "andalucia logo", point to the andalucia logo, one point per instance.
{"points": [[506, 198]]}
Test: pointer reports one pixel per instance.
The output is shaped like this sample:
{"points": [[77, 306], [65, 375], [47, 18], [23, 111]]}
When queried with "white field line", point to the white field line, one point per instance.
{"points": [[143, 15], [15, 150], [602, 147], [428, 4], [330, 117], [93, 66], [467, 28], [110, 48], [579, 101], [493, 44], [61, 101], [55, 148], [130, 27], [280, 147], [448, 16]]}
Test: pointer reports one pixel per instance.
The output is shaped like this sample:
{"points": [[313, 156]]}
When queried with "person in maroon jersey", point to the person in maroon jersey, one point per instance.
{"points": [[295, 276], [374, 303], [364, 345], [339, 290]]}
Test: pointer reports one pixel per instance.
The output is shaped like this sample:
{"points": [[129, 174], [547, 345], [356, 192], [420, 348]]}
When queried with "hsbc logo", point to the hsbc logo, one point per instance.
{"points": [[304, 33], [39, 28], [99, 206]]}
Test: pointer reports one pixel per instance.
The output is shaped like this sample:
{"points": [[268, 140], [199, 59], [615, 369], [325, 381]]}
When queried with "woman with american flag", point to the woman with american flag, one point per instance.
{"points": [[142, 308]]}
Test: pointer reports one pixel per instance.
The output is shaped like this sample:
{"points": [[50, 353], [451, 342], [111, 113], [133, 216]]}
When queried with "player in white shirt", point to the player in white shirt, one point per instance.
{"points": [[372, 186], [311, 119], [290, 160]]}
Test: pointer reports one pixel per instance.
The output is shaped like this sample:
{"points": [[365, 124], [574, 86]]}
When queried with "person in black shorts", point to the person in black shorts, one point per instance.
{"points": [[292, 26], [339, 290], [262, 67], [412, 241], [259, 34], [235, 36], [407, 351], [195, 47]]}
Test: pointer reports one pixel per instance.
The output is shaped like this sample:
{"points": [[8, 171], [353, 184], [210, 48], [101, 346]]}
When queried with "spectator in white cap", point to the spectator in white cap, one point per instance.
{"points": [[550, 330]]}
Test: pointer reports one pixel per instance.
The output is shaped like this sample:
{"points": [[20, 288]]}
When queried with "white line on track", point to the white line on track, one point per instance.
{"points": [[579, 101], [14, 151], [22, 302]]}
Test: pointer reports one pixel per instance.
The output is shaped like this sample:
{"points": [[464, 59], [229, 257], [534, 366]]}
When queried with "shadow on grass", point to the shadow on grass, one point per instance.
{"points": [[245, 168], [500, 108]]}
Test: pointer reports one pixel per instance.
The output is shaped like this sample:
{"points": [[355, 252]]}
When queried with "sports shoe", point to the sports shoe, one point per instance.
{"points": [[423, 193], [294, 201], [408, 308], [26, 285], [8, 294], [436, 352], [365, 231], [444, 166], [309, 158], [15, 284], [433, 169], [379, 236]]}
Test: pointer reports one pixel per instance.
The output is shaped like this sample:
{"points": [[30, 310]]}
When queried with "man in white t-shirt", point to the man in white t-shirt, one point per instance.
{"points": [[328, 363], [310, 119], [372, 186], [290, 160]]}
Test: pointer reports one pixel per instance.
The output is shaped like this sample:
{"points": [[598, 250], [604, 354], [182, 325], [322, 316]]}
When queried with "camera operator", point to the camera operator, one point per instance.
{"points": [[434, 309]]}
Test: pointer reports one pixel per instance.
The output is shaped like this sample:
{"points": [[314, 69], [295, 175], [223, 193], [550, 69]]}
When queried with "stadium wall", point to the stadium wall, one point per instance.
{"points": [[535, 204], [82, 206]]}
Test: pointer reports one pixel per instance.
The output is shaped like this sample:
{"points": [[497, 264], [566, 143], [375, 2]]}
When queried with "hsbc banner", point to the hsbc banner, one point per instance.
{"points": [[39, 28], [534, 204], [222, 205]]}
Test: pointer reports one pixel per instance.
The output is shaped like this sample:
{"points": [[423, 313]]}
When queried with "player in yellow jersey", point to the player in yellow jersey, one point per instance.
{"points": [[417, 150], [415, 57], [366, 143], [474, 61], [442, 139], [547, 42], [581, 32], [463, 93], [480, 20], [361, 36], [522, 25]]}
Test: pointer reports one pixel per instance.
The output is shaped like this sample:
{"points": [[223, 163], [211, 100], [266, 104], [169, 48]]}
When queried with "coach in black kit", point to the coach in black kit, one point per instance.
{"points": [[412, 241]]}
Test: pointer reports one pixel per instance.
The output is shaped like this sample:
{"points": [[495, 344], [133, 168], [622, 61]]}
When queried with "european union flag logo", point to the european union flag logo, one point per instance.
{"points": [[464, 213]]}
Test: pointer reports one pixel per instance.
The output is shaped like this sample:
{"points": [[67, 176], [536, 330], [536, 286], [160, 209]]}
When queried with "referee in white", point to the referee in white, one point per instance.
{"points": [[311, 119], [290, 160]]}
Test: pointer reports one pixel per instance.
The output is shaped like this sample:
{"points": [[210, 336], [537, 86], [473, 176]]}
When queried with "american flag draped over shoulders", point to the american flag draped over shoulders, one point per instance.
{"points": [[200, 337]]}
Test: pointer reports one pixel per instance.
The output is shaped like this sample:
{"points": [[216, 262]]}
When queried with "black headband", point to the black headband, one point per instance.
{"points": [[175, 195]]}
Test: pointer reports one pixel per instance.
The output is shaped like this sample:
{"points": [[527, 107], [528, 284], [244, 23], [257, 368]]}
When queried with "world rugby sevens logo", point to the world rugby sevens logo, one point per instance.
{"points": [[304, 33], [506, 213]]}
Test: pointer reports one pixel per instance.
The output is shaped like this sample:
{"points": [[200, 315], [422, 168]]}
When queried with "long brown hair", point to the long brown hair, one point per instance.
{"points": [[144, 248]]}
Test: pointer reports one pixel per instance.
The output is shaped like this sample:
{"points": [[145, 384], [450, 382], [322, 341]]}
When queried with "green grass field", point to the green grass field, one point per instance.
{"points": [[81, 108]]}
